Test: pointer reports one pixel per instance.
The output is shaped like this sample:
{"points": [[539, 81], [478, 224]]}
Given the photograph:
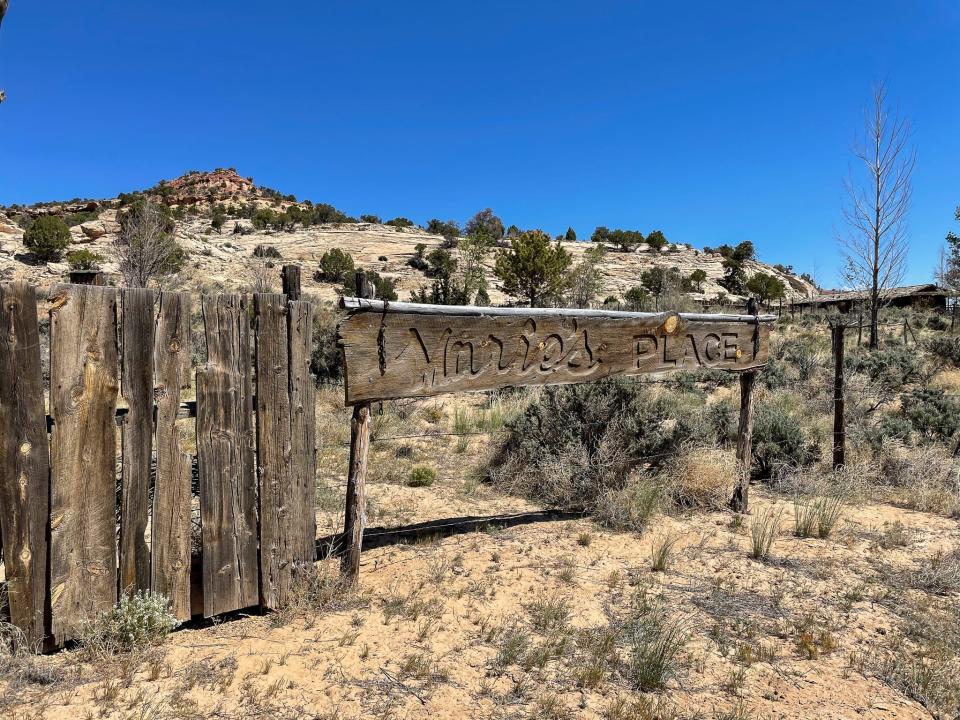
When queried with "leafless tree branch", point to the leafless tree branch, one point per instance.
{"points": [[145, 246], [879, 193]]}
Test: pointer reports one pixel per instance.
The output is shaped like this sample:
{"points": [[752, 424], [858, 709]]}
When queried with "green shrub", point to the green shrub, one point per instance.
{"points": [[383, 286], [326, 359], [630, 507], [576, 441], [84, 260], [889, 368], [335, 266], [400, 222], [933, 414], [136, 622], [422, 476], [267, 251], [937, 322], [47, 237], [946, 348], [779, 439]]}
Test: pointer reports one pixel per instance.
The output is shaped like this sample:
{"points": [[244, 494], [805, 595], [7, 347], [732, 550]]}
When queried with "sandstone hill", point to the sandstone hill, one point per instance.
{"points": [[224, 261]]}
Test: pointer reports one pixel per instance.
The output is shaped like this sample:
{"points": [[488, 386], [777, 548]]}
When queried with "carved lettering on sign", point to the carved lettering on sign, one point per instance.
{"points": [[415, 354]]}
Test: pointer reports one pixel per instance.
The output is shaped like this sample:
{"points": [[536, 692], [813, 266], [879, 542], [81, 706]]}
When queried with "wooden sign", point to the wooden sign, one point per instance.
{"points": [[395, 350]]}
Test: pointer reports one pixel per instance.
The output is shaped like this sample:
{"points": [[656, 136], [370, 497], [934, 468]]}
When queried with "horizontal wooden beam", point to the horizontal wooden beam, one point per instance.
{"points": [[396, 350]]}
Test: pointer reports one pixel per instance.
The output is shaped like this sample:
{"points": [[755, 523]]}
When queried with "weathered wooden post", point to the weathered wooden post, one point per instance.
{"points": [[87, 277], [860, 330], [741, 493], [839, 432], [740, 502], [356, 503], [290, 276], [953, 315]]}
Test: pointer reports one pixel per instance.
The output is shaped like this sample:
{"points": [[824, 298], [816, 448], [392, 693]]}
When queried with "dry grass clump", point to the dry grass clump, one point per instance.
{"points": [[654, 641], [939, 574], [763, 532], [701, 478], [136, 623], [317, 588], [924, 478], [629, 507], [816, 516], [922, 659]]}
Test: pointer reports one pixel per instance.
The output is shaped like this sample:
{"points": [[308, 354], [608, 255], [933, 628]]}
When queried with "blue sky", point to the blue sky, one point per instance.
{"points": [[714, 122]]}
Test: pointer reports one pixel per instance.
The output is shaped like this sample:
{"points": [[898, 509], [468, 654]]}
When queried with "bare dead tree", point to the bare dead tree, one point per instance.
{"points": [[260, 275], [878, 200], [145, 246]]}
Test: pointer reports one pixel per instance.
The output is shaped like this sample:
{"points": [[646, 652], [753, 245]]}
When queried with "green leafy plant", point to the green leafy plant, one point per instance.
{"points": [[422, 476], [335, 266], [136, 622], [84, 260], [47, 237]]}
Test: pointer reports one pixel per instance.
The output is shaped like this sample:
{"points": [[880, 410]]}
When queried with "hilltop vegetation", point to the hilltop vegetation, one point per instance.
{"points": [[233, 233]]}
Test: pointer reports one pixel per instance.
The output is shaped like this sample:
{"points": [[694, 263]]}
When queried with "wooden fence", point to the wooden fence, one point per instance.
{"points": [[71, 547], [65, 558]]}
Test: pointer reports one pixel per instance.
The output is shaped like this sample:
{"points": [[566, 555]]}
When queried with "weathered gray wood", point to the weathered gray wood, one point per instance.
{"points": [[839, 427], [303, 393], [24, 462], [225, 439], [277, 543], [170, 527], [394, 350], [290, 276], [356, 503], [136, 385], [83, 399], [741, 493]]}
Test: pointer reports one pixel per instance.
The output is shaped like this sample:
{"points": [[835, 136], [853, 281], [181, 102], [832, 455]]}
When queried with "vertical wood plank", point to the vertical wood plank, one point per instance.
{"points": [[170, 528], [24, 461], [83, 401], [290, 276], [277, 499], [228, 510], [741, 494], [303, 394], [356, 502], [839, 428], [136, 436]]}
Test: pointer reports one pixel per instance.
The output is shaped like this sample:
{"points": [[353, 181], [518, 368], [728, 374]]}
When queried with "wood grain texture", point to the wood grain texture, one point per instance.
{"points": [[355, 518], [170, 528], [274, 461], [303, 432], [741, 493], [84, 375], [404, 350], [24, 462], [136, 385], [225, 445]]}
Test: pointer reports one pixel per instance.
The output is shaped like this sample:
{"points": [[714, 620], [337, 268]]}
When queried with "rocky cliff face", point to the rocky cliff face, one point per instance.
{"points": [[225, 262]]}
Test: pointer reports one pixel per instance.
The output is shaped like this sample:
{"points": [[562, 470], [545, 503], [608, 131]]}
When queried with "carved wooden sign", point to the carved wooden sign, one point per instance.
{"points": [[397, 350]]}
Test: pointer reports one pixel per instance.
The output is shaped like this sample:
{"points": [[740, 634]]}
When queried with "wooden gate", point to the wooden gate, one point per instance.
{"points": [[65, 557]]}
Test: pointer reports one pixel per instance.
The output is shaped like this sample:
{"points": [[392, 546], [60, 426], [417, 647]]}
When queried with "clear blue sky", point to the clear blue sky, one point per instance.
{"points": [[715, 122]]}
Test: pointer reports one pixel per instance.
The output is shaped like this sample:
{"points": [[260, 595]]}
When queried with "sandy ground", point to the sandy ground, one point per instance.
{"points": [[426, 632]]}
